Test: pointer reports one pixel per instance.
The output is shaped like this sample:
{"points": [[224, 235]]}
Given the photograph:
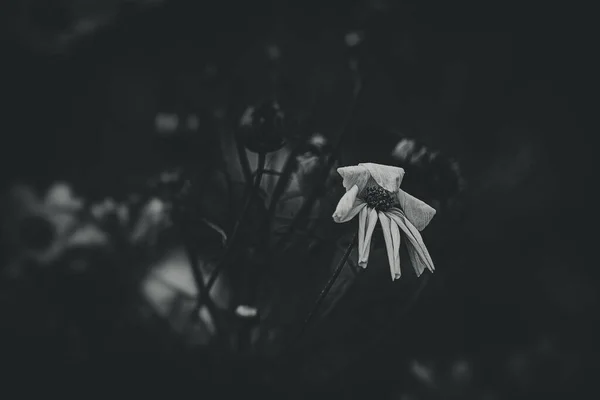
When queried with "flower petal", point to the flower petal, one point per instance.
{"points": [[348, 206], [362, 227], [396, 243], [354, 175], [365, 248], [389, 243], [418, 212], [386, 176], [418, 253]]}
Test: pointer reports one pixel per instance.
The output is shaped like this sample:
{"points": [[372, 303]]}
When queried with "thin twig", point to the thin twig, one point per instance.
{"points": [[269, 172], [283, 181], [236, 229], [202, 291], [328, 286], [243, 157], [307, 205]]}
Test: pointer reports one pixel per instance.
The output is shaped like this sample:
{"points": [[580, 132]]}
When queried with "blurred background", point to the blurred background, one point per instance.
{"points": [[102, 99]]}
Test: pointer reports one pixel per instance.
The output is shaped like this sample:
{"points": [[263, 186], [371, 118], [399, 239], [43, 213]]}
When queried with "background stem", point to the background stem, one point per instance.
{"points": [[327, 287]]}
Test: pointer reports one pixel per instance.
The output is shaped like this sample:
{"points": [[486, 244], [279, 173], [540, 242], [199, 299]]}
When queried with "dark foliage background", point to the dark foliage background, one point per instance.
{"points": [[506, 89]]}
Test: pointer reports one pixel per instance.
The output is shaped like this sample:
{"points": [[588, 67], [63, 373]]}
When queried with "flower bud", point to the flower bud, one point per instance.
{"points": [[261, 128]]}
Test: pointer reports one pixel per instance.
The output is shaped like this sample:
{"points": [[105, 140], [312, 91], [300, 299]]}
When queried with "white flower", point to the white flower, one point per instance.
{"points": [[373, 193], [43, 228]]}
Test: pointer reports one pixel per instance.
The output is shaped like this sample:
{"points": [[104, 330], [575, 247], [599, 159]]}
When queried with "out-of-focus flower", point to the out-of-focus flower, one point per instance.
{"points": [[409, 151], [166, 123], [353, 38], [438, 178], [192, 122], [43, 229], [245, 311], [60, 196], [373, 192], [261, 128], [107, 208], [461, 371], [312, 162], [273, 52], [422, 372], [403, 149], [153, 218]]}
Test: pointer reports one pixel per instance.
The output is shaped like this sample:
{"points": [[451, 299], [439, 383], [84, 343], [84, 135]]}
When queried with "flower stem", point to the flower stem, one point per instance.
{"points": [[308, 204], [328, 286], [202, 291], [283, 181], [236, 229], [251, 280], [243, 157]]}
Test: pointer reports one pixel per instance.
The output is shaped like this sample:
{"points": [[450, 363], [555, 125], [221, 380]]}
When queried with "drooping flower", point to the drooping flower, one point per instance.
{"points": [[373, 193]]}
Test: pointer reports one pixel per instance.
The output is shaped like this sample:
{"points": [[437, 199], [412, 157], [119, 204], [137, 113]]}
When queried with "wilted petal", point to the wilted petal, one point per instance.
{"points": [[348, 206], [396, 243], [389, 243], [386, 176], [362, 228], [418, 212], [364, 246], [418, 253], [354, 175]]}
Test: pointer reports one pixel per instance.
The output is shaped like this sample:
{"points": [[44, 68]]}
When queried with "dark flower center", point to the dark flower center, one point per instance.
{"points": [[378, 198]]}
